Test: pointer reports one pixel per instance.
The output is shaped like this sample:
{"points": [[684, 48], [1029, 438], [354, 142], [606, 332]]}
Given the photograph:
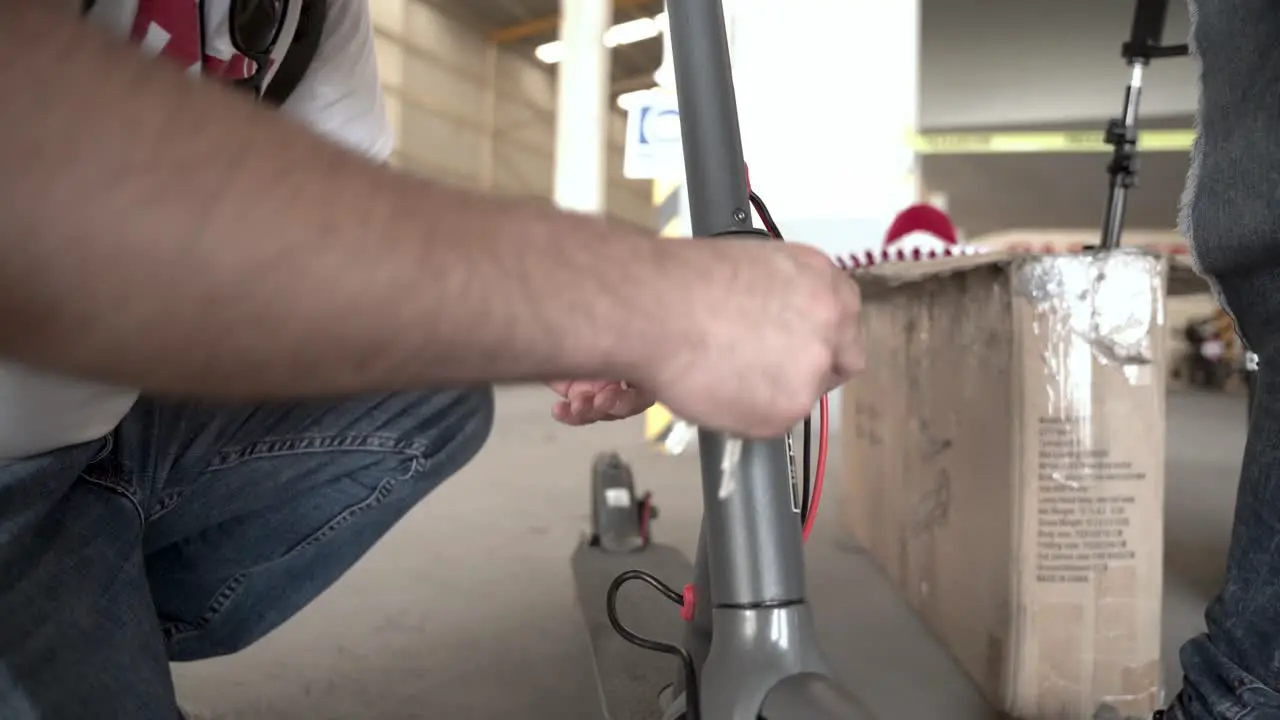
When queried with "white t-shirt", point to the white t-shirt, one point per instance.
{"points": [[339, 97]]}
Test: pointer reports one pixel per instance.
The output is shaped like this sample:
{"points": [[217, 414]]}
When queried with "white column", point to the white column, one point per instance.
{"points": [[582, 106], [827, 100]]}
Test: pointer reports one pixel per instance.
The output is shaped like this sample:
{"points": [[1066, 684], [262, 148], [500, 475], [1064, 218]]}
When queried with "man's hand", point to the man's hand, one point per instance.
{"points": [[592, 401], [756, 333]]}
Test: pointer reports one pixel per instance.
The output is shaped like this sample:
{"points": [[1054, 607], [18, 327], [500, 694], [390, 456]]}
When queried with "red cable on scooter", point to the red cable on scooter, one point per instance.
{"points": [[820, 470], [824, 424]]}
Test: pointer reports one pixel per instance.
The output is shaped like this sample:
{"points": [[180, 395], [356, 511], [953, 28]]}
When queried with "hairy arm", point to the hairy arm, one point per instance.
{"points": [[168, 234]]}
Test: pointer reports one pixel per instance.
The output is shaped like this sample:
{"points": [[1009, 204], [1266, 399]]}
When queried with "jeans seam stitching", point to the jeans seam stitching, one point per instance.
{"points": [[117, 489], [1241, 709], [342, 443], [304, 444]]}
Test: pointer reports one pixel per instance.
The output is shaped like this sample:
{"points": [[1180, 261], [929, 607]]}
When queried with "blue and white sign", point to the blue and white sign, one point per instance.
{"points": [[653, 148]]}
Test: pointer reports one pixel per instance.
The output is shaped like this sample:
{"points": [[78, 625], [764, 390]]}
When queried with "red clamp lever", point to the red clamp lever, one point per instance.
{"points": [[686, 610]]}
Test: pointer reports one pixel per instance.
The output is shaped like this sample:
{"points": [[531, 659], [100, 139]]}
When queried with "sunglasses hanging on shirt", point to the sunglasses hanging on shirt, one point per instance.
{"points": [[257, 28]]}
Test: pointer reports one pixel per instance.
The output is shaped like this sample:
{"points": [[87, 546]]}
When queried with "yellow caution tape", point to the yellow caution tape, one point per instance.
{"points": [[1091, 141], [657, 423]]}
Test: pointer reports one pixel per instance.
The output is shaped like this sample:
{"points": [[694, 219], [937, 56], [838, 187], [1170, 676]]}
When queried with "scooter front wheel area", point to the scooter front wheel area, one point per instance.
{"points": [[619, 517]]}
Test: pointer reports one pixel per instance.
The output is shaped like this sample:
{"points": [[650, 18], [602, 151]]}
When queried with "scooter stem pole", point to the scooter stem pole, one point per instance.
{"points": [[752, 534]]}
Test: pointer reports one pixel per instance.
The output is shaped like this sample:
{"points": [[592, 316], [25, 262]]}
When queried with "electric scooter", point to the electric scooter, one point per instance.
{"points": [[763, 660]]}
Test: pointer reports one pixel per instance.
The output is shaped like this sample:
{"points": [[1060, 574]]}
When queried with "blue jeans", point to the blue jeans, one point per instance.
{"points": [[1231, 216], [194, 530], [1232, 671]]}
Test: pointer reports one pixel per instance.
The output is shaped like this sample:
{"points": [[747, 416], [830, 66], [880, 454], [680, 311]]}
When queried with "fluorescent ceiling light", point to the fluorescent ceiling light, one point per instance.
{"points": [[550, 53], [627, 33], [632, 31]]}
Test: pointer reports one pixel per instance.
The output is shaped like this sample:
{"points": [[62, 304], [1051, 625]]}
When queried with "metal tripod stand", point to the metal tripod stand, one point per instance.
{"points": [[1142, 47]]}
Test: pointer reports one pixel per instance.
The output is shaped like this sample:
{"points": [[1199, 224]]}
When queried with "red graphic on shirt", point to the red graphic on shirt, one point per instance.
{"points": [[172, 28]]}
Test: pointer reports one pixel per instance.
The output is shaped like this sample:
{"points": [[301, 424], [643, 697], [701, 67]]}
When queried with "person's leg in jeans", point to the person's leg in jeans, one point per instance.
{"points": [[1232, 671], [1232, 217], [193, 531]]}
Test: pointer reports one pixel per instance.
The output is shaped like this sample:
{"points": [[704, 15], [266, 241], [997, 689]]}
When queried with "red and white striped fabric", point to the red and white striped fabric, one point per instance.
{"points": [[857, 261], [921, 232]]}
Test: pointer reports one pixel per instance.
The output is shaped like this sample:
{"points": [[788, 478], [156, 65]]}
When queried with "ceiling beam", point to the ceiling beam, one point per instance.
{"points": [[635, 82], [548, 24]]}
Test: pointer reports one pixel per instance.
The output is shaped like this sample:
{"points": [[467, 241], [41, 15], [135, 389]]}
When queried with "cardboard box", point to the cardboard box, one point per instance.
{"points": [[1004, 464]]}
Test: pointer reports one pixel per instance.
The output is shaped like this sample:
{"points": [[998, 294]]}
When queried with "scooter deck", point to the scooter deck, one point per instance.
{"points": [[631, 678]]}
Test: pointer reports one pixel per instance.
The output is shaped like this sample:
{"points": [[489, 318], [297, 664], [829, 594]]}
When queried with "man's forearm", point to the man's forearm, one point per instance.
{"points": [[163, 233]]}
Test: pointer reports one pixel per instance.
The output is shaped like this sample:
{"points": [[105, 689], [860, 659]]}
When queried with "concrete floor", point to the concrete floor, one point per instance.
{"points": [[467, 610]]}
